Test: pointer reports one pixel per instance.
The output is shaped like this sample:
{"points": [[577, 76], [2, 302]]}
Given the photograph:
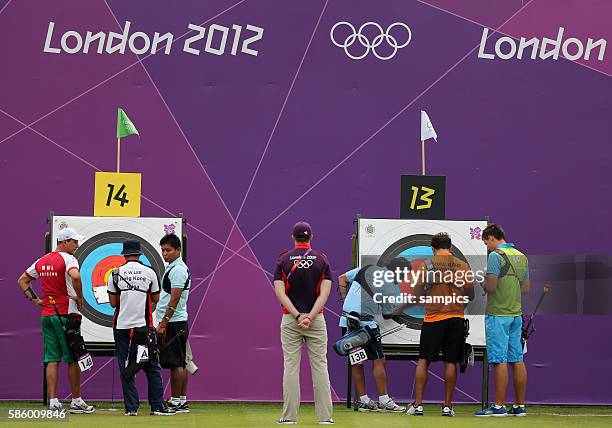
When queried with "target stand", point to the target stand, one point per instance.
{"points": [[98, 254], [378, 241]]}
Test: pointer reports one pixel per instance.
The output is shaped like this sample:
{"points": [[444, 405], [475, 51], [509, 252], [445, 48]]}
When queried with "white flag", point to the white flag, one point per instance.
{"points": [[427, 129]]}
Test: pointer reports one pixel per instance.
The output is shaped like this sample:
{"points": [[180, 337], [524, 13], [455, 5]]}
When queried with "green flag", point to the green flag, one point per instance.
{"points": [[125, 126]]}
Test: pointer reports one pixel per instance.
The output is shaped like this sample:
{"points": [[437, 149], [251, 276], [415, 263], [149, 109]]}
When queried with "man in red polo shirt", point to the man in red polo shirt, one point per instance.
{"points": [[302, 283], [60, 281]]}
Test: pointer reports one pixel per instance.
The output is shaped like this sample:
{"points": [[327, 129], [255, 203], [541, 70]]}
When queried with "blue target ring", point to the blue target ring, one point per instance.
{"points": [[87, 267]]}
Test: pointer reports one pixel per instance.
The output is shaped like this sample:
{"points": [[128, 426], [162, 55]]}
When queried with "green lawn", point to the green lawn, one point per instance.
{"points": [[253, 415]]}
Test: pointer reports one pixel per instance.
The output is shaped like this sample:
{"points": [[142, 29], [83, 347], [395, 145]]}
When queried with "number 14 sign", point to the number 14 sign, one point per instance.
{"points": [[117, 194]]}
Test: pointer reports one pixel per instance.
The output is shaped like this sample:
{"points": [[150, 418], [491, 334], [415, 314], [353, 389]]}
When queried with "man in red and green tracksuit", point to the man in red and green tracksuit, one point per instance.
{"points": [[60, 280]]}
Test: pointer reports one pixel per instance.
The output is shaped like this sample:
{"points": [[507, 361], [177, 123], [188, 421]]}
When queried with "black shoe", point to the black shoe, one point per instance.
{"points": [[182, 408], [448, 411], [171, 405], [166, 411]]}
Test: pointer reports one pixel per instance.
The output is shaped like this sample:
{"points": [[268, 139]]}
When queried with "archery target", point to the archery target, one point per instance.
{"points": [[381, 240], [100, 252]]}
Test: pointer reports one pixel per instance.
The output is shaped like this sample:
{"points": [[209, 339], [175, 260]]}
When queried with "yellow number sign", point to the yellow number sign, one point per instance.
{"points": [[425, 197], [117, 194]]}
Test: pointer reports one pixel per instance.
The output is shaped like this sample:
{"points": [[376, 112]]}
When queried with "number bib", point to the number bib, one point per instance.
{"points": [[142, 354], [85, 362], [357, 356]]}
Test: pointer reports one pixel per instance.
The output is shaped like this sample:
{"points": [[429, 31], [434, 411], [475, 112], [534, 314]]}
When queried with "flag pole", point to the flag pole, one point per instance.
{"points": [[423, 154], [118, 153]]}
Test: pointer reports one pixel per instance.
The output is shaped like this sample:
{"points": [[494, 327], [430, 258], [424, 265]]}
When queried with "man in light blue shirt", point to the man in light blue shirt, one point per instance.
{"points": [[353, 301], [171, 312], [506, 281], [358, 300]]}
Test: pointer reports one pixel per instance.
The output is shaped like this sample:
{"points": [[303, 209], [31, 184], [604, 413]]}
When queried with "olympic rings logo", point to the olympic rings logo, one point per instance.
{"points": [[357, 36], [303, 264]]}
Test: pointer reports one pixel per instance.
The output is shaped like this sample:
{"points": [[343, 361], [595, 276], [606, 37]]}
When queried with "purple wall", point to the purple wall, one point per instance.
{"points": [[526, 142]]}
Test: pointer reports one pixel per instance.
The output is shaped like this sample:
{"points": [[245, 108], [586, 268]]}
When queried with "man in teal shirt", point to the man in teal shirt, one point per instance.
{"points": [[171, 312], [507, 279]]}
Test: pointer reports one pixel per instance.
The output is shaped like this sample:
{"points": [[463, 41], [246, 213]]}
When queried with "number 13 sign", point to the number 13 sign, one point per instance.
{"points": [[423, 197], [117, 194]]}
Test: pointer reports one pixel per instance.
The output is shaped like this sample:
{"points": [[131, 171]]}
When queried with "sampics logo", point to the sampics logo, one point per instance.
{"points": [[571, 48]]}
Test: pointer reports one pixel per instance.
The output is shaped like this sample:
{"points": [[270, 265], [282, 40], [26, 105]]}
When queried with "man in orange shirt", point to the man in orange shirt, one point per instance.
{"points": [[445, 286]]}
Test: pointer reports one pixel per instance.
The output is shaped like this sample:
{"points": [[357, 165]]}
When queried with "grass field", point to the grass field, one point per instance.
{"points": [[253, 415]]}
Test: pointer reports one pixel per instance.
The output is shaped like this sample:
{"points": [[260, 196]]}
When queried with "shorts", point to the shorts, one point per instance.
{"points": [[374, 350], [444, 336], [173, 355], [503, 334], [54, 340]]}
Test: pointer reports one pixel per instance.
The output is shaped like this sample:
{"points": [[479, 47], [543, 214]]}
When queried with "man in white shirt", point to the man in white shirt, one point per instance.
{"points": [[131, 290]]}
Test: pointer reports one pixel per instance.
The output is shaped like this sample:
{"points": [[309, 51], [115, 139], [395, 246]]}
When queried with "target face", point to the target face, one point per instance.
{"points": [[100, 252], [382, 240], [97, 257]]}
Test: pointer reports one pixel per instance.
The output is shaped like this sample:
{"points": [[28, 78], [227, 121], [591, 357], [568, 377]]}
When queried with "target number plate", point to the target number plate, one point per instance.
{"points": [[117, 194], [423, 197]]}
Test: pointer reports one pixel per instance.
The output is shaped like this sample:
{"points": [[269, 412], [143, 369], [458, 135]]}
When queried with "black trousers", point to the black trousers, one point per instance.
{"points": [[151, 368]]}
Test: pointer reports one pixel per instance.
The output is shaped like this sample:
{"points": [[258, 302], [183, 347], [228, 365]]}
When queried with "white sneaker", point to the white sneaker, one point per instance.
{"points": [[390, 406], [415, 410], [282, 421], [58, 407], [327, 422], [448, 411], [370, 406], [82, 408]]}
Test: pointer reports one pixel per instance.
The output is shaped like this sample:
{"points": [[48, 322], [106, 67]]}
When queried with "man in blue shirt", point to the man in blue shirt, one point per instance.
{"points": [[358, 300], [171, 312]]}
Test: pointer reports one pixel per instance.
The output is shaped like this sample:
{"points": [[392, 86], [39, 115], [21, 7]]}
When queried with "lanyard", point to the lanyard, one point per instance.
{"points": [[295, 265]]}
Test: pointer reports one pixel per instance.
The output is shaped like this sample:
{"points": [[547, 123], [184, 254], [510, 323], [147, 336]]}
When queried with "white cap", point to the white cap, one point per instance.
{"points": [[68, 233]]}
